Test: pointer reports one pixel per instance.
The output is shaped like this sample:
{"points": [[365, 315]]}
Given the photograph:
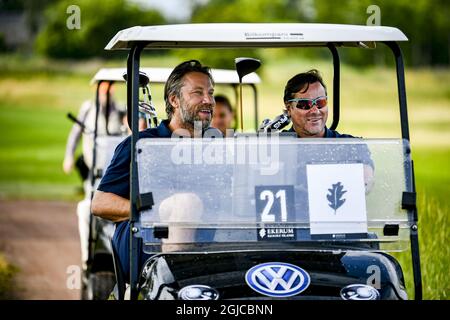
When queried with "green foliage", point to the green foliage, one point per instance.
{"points": [[246, 11], [12, 5], [3, 47], [100, 20], [425, 23], [243, 11]]}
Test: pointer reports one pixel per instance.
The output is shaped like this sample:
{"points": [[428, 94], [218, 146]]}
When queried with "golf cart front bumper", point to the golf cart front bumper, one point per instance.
{"points": [[165, 275]]}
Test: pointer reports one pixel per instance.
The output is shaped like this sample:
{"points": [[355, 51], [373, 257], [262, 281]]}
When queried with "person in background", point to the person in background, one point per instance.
{"points": [[222, 115], [109, 123], [143, 122]]}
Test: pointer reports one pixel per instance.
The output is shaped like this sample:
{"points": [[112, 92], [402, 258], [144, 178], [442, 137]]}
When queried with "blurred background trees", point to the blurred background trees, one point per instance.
{"points": [[100, 21], [425, 23], [43, 25]]}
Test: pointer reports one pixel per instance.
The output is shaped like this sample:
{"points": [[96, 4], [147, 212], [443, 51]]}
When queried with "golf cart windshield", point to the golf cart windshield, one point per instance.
{"points": [[273, 192]]}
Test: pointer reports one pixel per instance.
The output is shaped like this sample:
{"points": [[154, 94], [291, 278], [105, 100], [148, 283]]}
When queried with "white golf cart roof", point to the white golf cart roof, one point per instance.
{"points": [[223, 35], [160, 75]]}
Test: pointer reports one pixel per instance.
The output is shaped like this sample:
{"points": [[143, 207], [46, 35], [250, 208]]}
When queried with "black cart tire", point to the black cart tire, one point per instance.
{"points": [[100, 285]]}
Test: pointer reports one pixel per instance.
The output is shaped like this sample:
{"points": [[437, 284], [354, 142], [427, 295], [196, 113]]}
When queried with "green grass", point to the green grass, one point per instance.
{"points": [[432, 180], [32, 150], [37, 94], [435, 253]]}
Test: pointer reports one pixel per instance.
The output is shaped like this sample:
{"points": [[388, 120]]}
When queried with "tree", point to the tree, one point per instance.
{"points": [[424, 22], [240, 11], [99, 21]]}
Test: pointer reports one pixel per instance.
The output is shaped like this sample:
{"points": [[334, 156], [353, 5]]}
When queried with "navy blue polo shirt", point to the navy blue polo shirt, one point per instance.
{"points": [[117, 177]]}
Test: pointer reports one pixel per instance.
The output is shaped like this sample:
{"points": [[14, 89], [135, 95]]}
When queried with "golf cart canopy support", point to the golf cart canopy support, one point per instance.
{"points": [[256, 35]]}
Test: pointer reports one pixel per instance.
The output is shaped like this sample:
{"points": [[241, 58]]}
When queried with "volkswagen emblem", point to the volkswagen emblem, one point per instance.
{"points": [[359, 292], [198, 292], [277, 279]]}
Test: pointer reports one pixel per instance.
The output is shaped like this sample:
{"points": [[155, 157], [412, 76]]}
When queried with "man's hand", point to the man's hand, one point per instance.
{"points": [[68, 164], [180, 208], [110, 206]]}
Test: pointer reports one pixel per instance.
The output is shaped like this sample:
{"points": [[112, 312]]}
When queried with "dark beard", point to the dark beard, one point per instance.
{"points": [[189, 118]]}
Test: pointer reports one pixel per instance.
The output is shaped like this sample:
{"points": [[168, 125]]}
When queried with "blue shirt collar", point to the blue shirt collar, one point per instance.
{"points": [[163, 129]]}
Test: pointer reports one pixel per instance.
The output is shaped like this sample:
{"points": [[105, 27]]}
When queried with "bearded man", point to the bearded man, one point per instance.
{"points": [[189, 98]]}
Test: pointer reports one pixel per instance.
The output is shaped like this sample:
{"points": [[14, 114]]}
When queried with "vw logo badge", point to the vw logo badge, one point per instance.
{"points": [[277, 279], [198, 292], [359, 292]]}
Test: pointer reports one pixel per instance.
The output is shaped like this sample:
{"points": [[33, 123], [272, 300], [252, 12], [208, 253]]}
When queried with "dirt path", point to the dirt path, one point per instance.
{"points": [[41, 238]]}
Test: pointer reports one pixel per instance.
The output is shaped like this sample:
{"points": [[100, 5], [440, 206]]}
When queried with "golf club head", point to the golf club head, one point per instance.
{"points": [[276, 124], [143, 79], [245, 66]]}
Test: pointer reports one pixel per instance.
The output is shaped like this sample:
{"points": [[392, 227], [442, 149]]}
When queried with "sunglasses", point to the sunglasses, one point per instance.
{"points": [[307, 104]]}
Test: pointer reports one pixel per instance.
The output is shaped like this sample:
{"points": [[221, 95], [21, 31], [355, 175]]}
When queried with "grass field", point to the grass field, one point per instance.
{"points": [[37, 94]]}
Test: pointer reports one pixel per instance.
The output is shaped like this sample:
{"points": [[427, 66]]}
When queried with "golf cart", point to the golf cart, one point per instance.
{"points": [[98, 271], [222, 78], [269, 216], [98, 278]]}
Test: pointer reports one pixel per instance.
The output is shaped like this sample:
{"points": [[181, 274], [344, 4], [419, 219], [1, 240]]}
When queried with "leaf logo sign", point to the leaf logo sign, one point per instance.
{"points": [[335, 196]]}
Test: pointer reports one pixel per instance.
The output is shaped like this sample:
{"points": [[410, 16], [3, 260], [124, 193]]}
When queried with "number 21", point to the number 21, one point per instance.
{"points": [[266, 216]]}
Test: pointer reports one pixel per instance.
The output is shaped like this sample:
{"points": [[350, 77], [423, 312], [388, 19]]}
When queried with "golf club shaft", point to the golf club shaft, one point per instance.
{"points": [[74, 119], [240, 99]]}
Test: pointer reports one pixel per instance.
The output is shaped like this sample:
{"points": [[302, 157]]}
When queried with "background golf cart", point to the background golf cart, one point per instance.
{"points": [[263, 36], [223, 79], [98, 279]]}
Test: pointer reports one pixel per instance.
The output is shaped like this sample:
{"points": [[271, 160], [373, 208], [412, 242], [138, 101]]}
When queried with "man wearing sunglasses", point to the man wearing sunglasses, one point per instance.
{"points": [[306, 101]]}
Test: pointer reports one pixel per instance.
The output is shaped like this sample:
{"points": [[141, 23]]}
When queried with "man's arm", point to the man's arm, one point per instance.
{"points": [[111, 197], [74, 138], [110, 206]]}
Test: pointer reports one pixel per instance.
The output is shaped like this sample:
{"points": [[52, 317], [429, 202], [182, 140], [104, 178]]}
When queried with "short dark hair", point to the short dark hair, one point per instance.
{"points": [[224, 100], [175, 80], [302, 81]]}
